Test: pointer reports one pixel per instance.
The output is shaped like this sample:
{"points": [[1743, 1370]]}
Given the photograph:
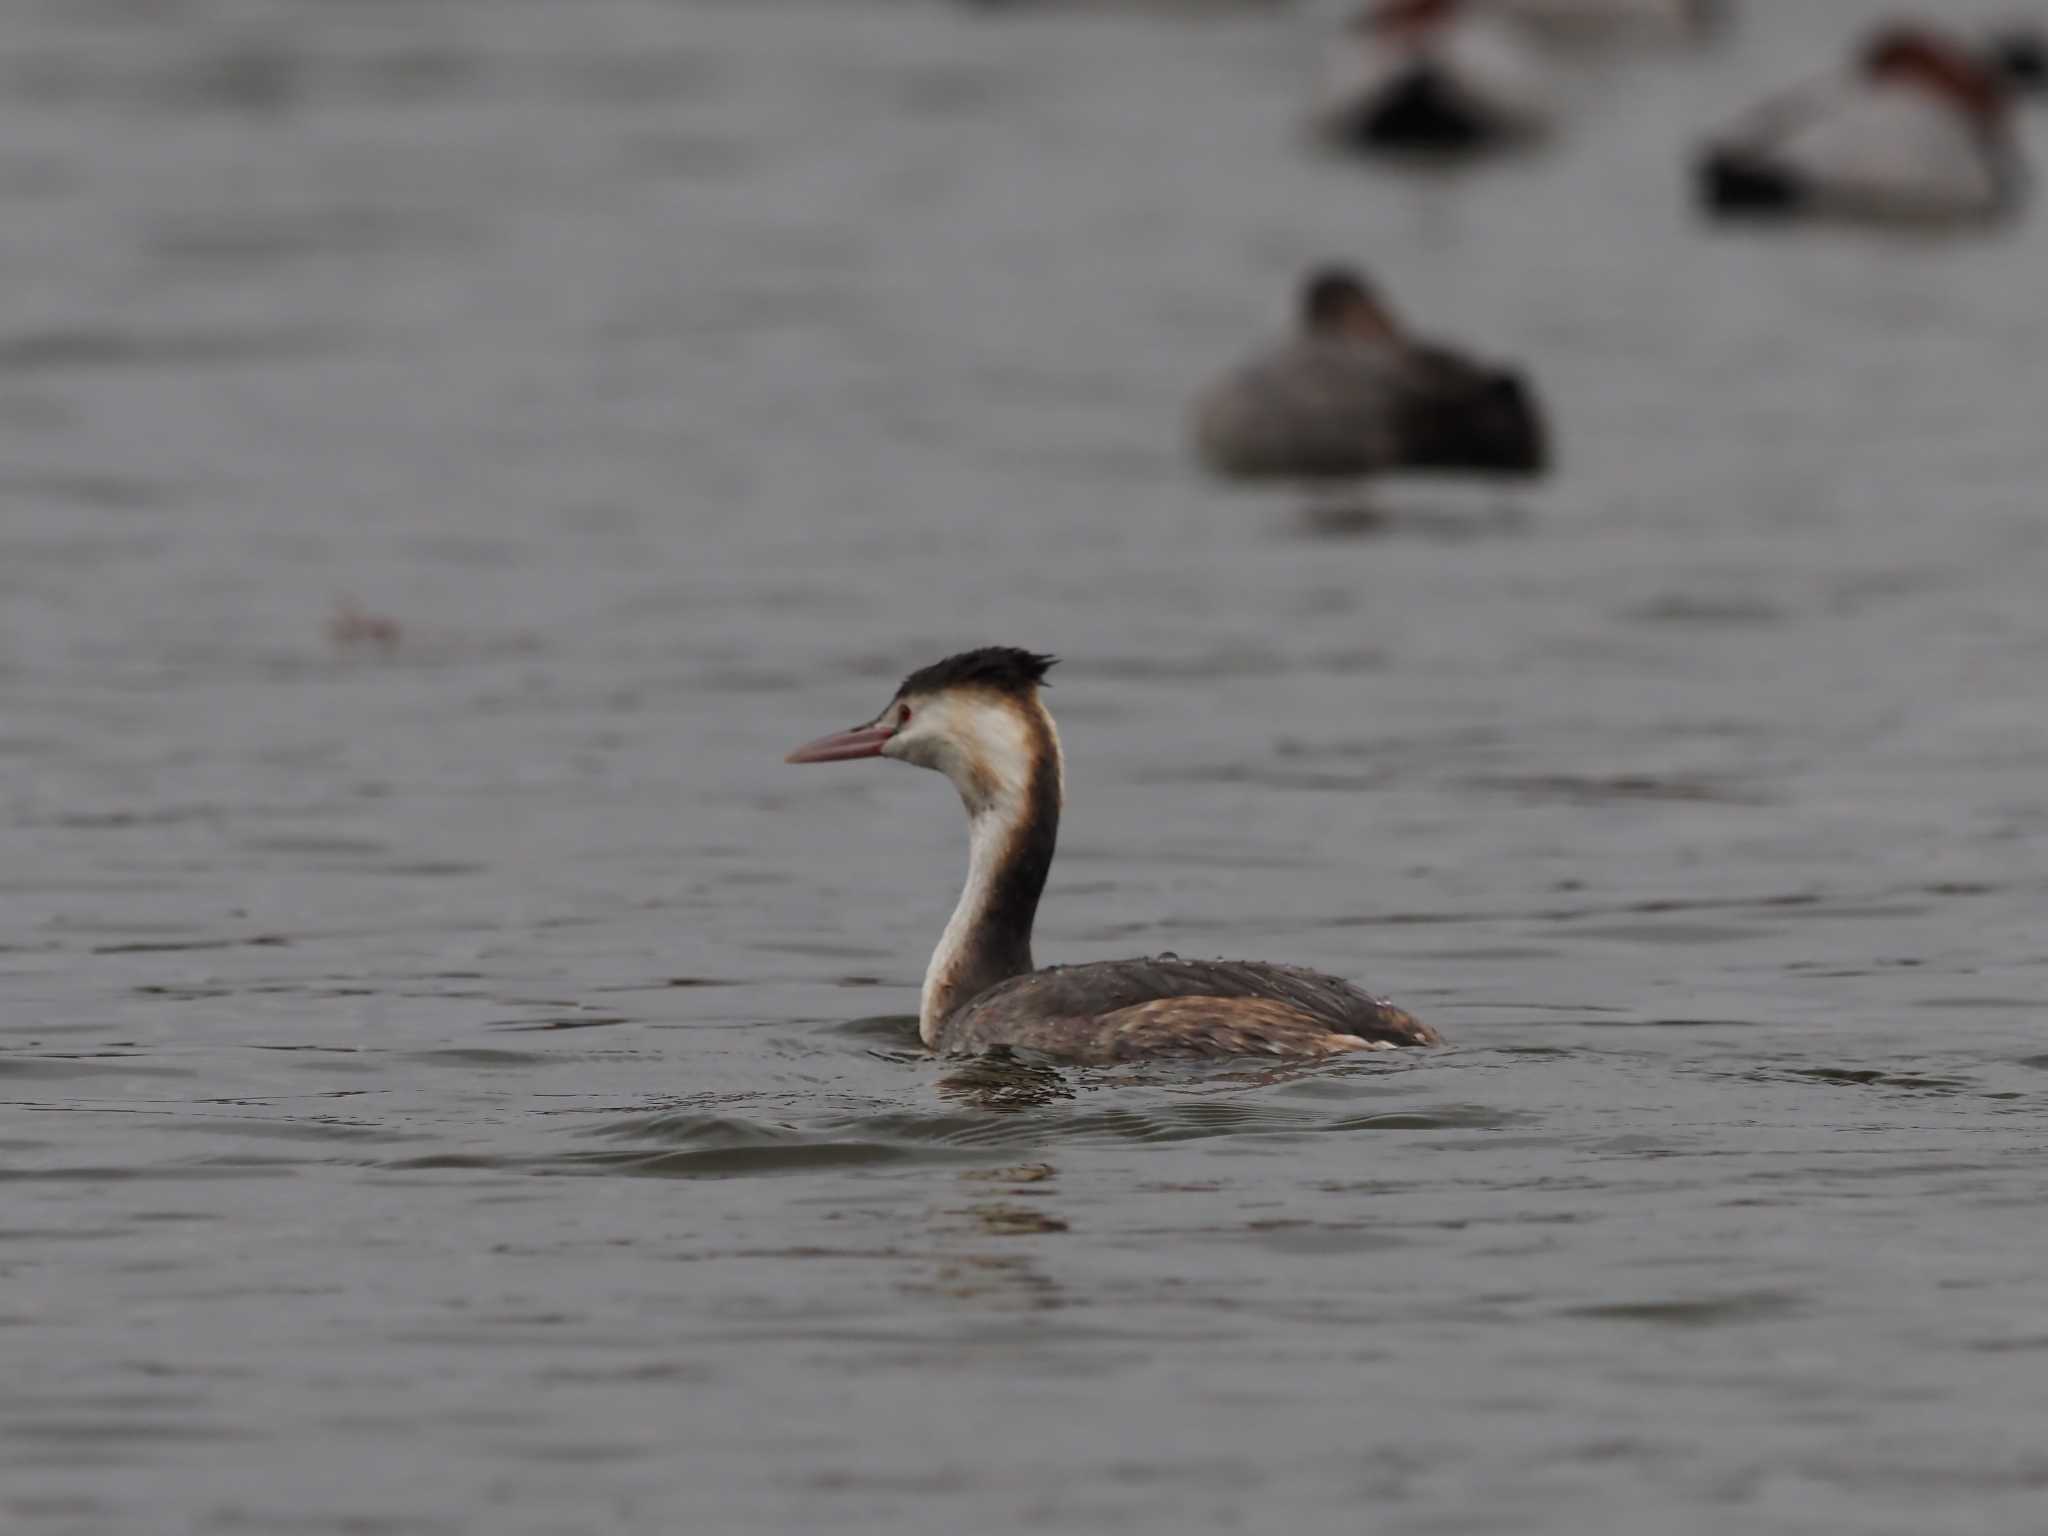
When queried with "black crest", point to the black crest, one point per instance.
{"points": [[1003, 668]]}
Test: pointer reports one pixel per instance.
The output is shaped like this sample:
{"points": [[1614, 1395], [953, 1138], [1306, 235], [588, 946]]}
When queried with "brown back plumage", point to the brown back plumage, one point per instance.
{"points": [[1115, 1009]]}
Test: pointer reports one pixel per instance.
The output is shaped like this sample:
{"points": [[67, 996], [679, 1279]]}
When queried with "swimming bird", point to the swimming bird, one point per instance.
{"points": [[1351, 393], [1917, 133], [1433, 76], [978, 718]]}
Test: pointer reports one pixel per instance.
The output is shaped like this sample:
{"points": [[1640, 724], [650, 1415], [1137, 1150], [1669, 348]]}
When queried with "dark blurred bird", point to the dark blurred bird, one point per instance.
{"points": [[1351, 393]]}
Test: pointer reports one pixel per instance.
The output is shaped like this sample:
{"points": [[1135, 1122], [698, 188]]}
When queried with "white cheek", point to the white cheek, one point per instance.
{"points": [[928, 739], [1003, 745], [983, 748], [920, 748]]}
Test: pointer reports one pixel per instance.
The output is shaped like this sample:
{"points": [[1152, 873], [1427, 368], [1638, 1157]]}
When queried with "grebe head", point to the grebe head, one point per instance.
{"points": [[1338, 301], [974, 717]]}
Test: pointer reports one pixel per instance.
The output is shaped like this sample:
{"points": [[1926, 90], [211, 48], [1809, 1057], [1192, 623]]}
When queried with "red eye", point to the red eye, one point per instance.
{"points": [[903, 719]]}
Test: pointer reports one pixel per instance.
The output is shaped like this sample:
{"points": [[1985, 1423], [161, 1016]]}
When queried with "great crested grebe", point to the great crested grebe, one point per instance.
{"points": [[1917, 133], [977, 718], [1351, 393], [1435, 76]]}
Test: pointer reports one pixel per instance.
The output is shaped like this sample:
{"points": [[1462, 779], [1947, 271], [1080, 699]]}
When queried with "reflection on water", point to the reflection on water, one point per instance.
{"points": [[455, 1081]]}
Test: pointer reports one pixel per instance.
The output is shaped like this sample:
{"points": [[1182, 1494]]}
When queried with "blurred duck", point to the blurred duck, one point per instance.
{"points": [[1617, 20], [1918, 134], [1441, 76], [1352, 394]]}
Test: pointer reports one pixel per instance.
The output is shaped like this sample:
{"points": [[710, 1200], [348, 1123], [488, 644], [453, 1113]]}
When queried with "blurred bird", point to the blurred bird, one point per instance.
{"points": [[1433, 76], [1918, 132], [1351, 393]]}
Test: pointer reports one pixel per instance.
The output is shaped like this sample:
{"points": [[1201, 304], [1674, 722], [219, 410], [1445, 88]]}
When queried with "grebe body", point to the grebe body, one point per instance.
{"points": [[978, 719]]}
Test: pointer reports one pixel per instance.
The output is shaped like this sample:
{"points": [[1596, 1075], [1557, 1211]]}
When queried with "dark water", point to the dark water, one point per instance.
{"points": [[471, 1088]]}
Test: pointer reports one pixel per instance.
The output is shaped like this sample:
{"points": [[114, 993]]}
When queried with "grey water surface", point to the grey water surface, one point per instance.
{"points": [[467, 1084]]}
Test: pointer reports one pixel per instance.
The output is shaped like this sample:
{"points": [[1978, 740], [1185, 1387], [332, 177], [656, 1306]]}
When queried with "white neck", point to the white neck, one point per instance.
{"points": [[990, 836], [1012, 789]]}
